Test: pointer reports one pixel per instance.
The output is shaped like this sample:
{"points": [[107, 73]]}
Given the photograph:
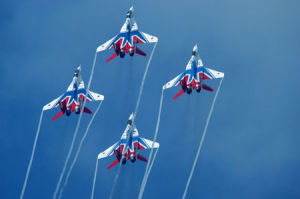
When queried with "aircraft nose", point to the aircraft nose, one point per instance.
{"points": [[77, 71], [131, 116], [195, 49]]}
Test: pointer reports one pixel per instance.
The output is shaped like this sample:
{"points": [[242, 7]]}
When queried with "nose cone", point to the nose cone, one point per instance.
{"points": [[131, 116], [130, 119], [77, 71], [130, 12], [195, 49], [131, 9]]}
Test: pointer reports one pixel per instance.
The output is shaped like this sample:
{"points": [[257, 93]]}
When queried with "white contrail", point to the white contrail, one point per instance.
{"points": [[148, 169], [142, 83], [134, 115], [147, 174], [75, 132], [78, 151], [201, 141], [32, 155], [115, 180], [94, 181]]}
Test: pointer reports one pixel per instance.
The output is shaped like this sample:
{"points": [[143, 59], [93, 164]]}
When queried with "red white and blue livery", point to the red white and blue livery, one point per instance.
{"points": [[128, 146], [126, 42], [193, 76], [73, 98]]}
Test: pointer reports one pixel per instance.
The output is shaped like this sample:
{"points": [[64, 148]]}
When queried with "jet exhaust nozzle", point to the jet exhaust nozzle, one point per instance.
{"points": [[198, 88], [133, 158], [123, 160], [131, 52], [68, 111], [77, 109], [122, 53], [189, 90]]}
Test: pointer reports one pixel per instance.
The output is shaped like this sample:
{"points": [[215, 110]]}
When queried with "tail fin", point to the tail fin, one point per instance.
{"points": [[205, 87], [86, 110], [178, 94], [58, 115], [140, 52], [113, 164], [112, 57], [140, 157]]}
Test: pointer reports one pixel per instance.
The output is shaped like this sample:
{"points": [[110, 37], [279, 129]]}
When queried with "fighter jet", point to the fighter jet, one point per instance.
{"points": [[127, 40], [128, 146], [193, 76], [73, 98]]}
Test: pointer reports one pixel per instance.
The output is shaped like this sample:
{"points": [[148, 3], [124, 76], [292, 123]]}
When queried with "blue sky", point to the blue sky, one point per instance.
{"points": [[251, 149]]}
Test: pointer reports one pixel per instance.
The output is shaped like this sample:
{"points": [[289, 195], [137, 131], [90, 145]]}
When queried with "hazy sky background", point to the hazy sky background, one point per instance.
{"points": [[252, 145]]}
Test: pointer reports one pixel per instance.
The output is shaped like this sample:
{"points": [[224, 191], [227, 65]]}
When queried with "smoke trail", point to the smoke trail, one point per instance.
{"points": [[142, 83], [152, 162], [75, 132], [201, 141], [134, 115], [115, 180], [94, 181], [148, 169], [32, 155], [147, 173], [78, 151]]}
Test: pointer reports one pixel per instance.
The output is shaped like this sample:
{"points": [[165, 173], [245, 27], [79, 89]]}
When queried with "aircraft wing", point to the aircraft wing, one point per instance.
{"points": [[96, 96], [109, 151], [106, 45], [149, 38], [174, 82], [148, 144], [91, 96], [52, 104], [211, 74]]}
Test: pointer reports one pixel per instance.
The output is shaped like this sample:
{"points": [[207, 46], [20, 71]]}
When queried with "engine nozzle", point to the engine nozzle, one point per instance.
{"points": [[132, 158], [189, 90], [198, 88], [123, 160], [122, 53], [77, 109], [68, 111], [131, 52]]}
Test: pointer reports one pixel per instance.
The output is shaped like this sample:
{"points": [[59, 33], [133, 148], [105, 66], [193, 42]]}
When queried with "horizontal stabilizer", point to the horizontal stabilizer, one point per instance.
{"points": [[178, 94], [58, 115], [140, 52], [140, 157], [112, 57], [86, 110], [205, 87], [113, 164]]}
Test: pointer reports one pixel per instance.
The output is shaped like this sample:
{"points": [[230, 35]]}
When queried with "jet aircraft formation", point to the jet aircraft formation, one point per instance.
{"points": [[126, 42]]}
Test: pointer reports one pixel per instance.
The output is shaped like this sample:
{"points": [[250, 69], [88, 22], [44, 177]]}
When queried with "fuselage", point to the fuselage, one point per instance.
{"points": [[192, 79], [73, 98], [128, 147]]}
